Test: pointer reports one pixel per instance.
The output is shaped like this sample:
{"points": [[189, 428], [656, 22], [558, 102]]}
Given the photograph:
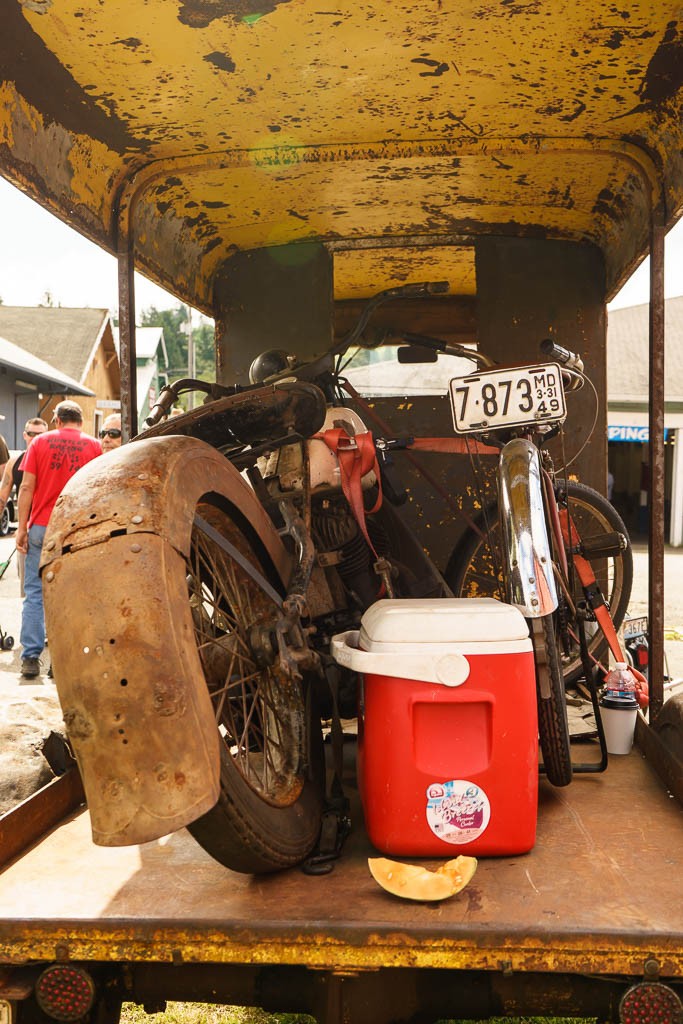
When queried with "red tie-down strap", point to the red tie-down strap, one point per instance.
{"points": [[357, 457], [589, 583]]}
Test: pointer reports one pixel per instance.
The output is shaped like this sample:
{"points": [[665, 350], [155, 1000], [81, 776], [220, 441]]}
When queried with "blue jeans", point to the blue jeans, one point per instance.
{"points": [[32, 616]]}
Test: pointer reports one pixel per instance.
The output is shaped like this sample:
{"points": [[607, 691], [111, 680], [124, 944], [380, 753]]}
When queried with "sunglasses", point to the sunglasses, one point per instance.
{"points": [[110, 433], [34, 433]]}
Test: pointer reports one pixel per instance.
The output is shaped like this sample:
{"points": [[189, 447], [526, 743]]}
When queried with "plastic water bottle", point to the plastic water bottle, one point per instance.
{"points": [[620, 682], [619, 709]]}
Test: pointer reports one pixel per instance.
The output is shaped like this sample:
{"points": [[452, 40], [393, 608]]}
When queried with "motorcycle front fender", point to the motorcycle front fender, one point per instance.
{"points": [[121, 633], [526, 548]]}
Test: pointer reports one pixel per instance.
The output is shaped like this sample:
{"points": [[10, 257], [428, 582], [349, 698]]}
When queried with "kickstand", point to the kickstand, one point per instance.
{"points": [[336, 822], [601, 765]]}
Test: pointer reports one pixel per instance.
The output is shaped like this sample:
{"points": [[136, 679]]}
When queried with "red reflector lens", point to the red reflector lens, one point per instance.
{"points": [[65, 993], [650, 1002], [642, 656]]}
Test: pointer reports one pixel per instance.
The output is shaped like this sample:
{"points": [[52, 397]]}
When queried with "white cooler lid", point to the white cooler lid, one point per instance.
{"points": [[441, 620]]}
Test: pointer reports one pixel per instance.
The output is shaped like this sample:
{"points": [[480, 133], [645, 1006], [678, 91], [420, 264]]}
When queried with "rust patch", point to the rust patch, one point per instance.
{"points": [[615, 40], [220, 60], [131, 43], [78, 726], [50, 88], [200, 13], [611, 205], [438, 67], [664, 75]]}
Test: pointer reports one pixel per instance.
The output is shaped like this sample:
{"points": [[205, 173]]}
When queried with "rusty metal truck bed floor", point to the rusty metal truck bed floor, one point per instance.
{"points": [[603, 881]]}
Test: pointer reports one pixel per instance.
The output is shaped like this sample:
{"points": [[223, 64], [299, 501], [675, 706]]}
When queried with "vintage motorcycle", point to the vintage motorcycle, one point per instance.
{"points": [[206, 567]]}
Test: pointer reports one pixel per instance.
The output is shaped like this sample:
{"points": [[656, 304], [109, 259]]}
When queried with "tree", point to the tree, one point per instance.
{"points": [[174, 324], [205, 351], [171, 321]]}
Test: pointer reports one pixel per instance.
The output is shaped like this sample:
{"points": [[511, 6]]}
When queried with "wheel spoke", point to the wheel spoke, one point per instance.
{"points": [[257, 718]]}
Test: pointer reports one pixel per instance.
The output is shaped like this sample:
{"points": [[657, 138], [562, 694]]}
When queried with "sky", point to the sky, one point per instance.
{"points": [[40, 254]]}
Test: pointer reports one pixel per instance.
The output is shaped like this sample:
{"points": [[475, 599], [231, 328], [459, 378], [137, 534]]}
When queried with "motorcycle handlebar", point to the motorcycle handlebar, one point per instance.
{"points": [[562, 355]]}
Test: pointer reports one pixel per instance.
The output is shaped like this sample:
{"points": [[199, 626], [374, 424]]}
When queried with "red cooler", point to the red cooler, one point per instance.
{"points": [[447, 737]]}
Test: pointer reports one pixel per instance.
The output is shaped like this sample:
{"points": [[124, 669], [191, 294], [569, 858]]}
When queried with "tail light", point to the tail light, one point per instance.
{"points": [[64, 992], [642, 656], [650, 1002]]}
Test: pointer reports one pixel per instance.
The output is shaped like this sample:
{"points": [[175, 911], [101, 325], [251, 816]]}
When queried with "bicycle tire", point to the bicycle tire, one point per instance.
{"points": [[553, 726], [593, 515], [478, 572], [474, 568]]}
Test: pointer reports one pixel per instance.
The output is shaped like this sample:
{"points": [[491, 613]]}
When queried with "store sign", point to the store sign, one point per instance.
{"points": [[629, 433]]}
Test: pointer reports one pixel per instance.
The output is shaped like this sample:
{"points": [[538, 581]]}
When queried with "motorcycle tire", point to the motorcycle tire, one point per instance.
{"points": [[269, 811]]}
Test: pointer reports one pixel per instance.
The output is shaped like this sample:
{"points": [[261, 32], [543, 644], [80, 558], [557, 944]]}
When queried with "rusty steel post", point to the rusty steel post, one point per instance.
{"points": [[656, 468], [127, 360]]}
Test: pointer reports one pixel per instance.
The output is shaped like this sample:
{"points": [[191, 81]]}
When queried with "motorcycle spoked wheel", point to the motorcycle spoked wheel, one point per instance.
{"points": [[269, 810]]}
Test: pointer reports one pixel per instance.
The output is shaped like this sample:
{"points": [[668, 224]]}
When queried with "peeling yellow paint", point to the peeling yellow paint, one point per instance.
{"points": [[327, 951], [390, 139]]}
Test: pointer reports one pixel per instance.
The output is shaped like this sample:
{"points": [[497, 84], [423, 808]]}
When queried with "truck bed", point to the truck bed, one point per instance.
{"points": [[599, 892]]}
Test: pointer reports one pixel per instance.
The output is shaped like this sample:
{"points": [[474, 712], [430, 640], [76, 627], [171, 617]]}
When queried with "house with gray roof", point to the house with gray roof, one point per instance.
{"points": [[74, 347], [27, 385]]}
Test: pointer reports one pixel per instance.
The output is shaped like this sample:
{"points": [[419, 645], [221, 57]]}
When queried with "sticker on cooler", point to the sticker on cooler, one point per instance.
{"points": [[457, 811]]}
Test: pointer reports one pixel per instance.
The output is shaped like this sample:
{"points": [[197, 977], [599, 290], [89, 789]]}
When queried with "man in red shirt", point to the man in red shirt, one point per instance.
{"points": [[49, 463]]}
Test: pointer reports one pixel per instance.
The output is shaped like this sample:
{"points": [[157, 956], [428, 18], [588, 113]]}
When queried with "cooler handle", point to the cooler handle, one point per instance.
{"points": [[444, 669]]}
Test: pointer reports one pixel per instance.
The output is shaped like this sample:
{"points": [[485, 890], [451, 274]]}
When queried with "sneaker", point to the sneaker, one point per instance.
{"points": [[30, 667]]}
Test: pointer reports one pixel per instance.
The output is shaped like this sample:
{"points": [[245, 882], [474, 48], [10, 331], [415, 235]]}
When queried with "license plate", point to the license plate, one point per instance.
{"points": [[507, 398], [635, 627]]}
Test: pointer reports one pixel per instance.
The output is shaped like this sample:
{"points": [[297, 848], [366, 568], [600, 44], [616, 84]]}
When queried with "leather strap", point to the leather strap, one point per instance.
{"points": [[357, 457]]}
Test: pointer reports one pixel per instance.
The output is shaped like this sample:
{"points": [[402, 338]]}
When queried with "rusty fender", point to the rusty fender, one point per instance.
{"points": [[126, 666]]}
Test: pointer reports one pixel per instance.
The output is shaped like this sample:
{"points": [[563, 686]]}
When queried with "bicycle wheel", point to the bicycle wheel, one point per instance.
{"points": [[269, 811], [593, 518], [475, 570], [553, 727]]}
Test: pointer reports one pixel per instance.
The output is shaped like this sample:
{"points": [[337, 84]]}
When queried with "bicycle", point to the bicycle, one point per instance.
{"points": [[552, 546]]}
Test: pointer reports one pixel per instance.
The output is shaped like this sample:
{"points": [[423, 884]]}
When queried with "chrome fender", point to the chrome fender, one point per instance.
{"points": [[126, 666], [526, 548]]}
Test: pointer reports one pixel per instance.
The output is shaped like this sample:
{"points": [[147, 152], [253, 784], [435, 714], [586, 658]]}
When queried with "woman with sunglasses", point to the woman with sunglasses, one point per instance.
{"points": [[110, 434]]}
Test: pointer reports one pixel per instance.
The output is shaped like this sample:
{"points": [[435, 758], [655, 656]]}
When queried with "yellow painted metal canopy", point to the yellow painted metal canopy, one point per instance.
{"points": [[378, 128]]}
